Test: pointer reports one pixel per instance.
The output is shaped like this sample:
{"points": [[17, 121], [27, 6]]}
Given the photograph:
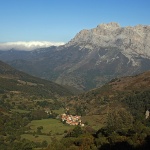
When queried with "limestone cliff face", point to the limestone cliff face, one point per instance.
{"points": [[111, 51], [130, 40]]}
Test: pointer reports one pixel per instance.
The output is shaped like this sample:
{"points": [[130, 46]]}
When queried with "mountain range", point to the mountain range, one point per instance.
{"points": [[92, 58]]}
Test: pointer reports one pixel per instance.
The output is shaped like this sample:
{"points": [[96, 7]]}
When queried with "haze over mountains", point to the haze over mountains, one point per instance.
{"points": [[91, 58], [28, 46]]}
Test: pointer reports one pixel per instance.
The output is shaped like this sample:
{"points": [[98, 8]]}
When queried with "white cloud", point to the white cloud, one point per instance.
{"points": [[21, 45]]}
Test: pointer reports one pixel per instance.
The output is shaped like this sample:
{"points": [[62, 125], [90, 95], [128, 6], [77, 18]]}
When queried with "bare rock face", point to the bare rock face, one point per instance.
{"points": [[113, 51], [92, 58], [130, 40]]}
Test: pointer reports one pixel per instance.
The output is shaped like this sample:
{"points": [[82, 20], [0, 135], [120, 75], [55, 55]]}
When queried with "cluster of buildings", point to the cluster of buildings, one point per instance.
{"points": [[68, 119], [71, 120]]}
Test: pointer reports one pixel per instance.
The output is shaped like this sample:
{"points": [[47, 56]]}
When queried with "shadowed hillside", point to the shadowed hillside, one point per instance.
{"points": [[120, 92], [19, 82]]}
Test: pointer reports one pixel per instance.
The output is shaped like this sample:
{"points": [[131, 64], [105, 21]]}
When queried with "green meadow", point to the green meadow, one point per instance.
{"points": [[51, 128]]}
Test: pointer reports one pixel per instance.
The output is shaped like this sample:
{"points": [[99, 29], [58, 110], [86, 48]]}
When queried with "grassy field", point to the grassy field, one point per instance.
{"points": [[38, 138], [95, 121], [49, 125], [59, 111], [20, 111], [53, 126]]}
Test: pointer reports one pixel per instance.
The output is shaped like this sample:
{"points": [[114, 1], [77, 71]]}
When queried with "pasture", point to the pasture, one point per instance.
{"points": [[51, 128]]}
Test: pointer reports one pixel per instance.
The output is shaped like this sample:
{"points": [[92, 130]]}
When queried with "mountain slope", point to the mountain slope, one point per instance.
{"points": [[92, 58], [131, 93], [12, 80]]}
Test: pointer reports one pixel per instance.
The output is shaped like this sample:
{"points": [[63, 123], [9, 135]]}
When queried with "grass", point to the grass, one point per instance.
{"points": [[39, 138], [53, 126], [95, 121], [59, 111], [20, 111], [49, 125]]}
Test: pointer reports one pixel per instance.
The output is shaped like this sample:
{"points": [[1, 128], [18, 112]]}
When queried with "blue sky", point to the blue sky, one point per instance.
{"points": [[60, 20]]}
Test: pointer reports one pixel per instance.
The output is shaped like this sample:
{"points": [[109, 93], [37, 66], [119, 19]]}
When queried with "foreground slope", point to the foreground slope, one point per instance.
{"points": [[12, 80]]}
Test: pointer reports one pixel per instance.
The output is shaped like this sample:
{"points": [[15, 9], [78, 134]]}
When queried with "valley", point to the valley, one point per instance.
{"points": [[93, 93], [32, 120]]}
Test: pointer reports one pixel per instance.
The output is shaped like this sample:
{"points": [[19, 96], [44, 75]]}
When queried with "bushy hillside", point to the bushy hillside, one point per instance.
{"points": [[19, 82], [130, 92]]}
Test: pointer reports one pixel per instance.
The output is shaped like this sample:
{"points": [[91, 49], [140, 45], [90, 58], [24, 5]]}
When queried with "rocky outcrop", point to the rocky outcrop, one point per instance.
{"points": [[132, 41]]}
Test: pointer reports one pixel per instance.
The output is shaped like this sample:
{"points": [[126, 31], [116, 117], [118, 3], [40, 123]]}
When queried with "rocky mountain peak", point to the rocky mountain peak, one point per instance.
{"points": [[130, 40], [95, 36], [109, 26]]}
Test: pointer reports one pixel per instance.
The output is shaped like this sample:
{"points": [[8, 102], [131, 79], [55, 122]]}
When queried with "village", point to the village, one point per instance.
{"points": [[72, 120], [68, 118]]}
